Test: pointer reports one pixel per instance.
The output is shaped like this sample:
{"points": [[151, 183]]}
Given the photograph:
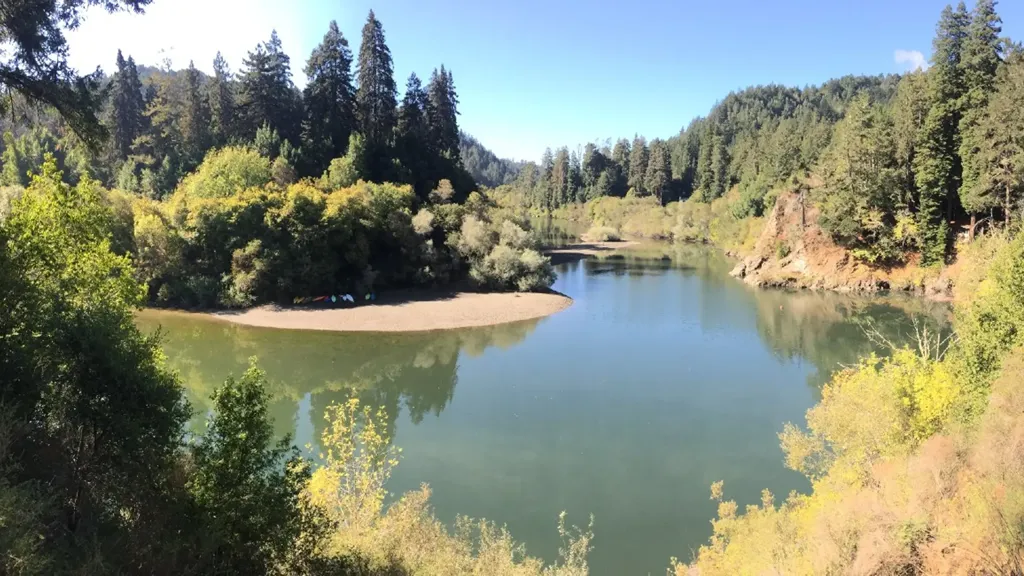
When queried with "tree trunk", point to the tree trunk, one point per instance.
{"points": [[970, 231], [1006, 216]]}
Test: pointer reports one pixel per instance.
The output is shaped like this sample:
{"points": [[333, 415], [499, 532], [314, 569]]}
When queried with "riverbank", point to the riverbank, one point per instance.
{"points": [[401, 312]]}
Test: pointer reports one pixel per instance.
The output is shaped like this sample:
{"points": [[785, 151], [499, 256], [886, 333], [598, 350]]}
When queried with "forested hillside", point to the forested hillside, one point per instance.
{"points": [[897, 165], [486, 168]]}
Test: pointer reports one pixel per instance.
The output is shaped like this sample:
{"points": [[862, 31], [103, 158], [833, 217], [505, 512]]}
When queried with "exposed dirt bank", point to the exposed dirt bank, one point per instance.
{"points": [[794, 252], [403, 312]]}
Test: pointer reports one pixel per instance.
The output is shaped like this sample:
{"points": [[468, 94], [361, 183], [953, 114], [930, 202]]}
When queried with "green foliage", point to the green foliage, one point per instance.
{"points": [[24, 155], [128, 107], [266, 92], [980, 60], [226, 172], [486, 168], [861, 201], [347, 170], [503, 257], [329, 100], [248, 486], [82, 385], [998, 146], [992, 323], [376, 100], [602, 234]]}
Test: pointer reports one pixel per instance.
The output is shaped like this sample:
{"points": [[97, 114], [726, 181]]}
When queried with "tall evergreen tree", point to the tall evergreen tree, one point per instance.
{"points": [[574, 182], [329, 99], [442, 112], [684, 157], [376, 97], [1001, 143], [195, 119], [658, 178], [156, 153], [981, 57], [860, 199], [620, 155], [221, 96], [267, 93], [542, 190], [559, 186], [413, 140], [128, 107], [590, 171], [937, 165], [638, 157], [910, 108]]}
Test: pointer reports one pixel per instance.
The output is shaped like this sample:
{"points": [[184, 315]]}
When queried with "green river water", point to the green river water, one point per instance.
{"points": [[664, 376]]}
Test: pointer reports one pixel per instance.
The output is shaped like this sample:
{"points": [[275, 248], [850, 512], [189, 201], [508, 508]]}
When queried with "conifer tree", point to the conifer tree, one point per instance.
{"points": [[659, 174], [542, 191], [267, 93], [222, 102], [195, 120], [638, 157], [981, 57], [413, 139], [937, 165], [442, 112], [559, 186], [910, 108], [860, 199], [376, 96], [620, 155], [156, 152], [128, 107], [574, 183], [329, 100], [592, 165], [1001, 142]]}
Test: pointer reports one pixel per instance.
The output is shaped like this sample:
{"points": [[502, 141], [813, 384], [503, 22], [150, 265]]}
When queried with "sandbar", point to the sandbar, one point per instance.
{"points": [[404, 312]]}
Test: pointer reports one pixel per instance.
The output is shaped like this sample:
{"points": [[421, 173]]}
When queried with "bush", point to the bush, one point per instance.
{"points": [[503, 259], [602, 234], [349, 169], [8, 195], [226, 172]]}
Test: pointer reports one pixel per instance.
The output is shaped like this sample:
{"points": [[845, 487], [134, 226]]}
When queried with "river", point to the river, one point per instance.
{"points": [[664, 376]]}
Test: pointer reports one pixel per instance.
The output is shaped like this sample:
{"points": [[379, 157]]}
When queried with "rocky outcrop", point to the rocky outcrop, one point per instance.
{"points": [[794, 252]]}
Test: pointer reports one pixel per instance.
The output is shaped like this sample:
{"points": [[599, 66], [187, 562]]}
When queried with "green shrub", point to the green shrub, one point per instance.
{"points": [[349, 169], [602, 234], [226, 172], [505, 258]]}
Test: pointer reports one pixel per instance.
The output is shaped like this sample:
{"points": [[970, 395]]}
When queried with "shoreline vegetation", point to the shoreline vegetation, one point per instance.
{"points": [[409, 311]]}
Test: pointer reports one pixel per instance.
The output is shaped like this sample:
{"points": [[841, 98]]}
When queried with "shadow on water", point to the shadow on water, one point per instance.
{"points": [[827, 329], [414, 372]]}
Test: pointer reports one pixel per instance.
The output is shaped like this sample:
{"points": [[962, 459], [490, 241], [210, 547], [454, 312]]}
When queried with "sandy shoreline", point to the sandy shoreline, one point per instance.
{"points": [[409, 312]]}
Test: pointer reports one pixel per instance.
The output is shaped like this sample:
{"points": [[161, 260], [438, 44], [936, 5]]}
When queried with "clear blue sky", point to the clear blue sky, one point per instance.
{"points": [[537, 73]]}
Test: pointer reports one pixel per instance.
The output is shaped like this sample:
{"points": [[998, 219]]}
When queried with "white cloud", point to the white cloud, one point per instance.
{"points": [[911, 60]]}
